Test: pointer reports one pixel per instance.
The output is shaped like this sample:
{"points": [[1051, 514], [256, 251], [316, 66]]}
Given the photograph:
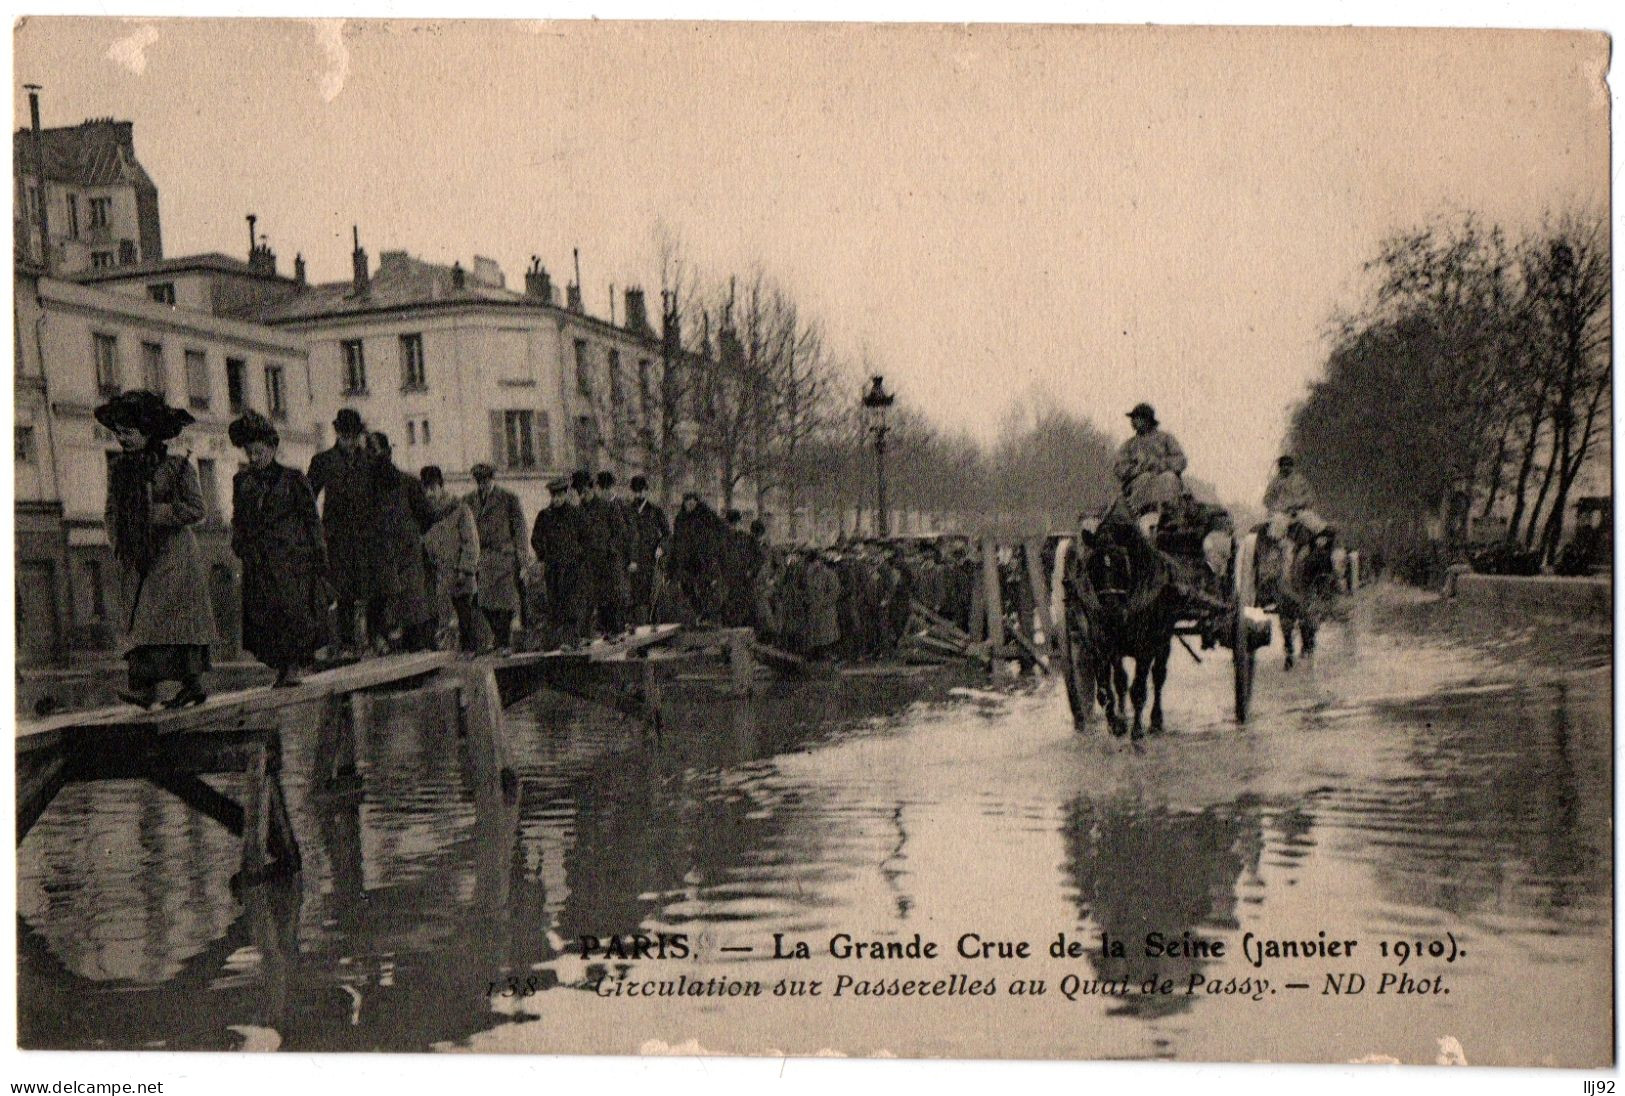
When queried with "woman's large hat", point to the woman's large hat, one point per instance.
{"points": [[252, 427], [144, 411]]}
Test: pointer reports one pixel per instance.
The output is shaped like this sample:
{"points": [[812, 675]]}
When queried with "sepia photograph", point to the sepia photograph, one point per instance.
{"points": [[880, 540]]}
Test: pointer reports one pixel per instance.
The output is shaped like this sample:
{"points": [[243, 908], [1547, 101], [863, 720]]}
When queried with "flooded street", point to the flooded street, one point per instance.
{"points": [[1415, 784]]}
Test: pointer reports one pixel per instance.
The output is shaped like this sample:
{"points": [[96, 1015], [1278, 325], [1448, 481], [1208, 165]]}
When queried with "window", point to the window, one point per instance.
{"points": [[276, 401], [107, 378], [162, 292], [425, 431], [355, 367], [645, 367], [152, 367], [25, 445], [101, 212], [209, 484], [583, 368], [412, 375], [586, 439], [518, 447], [237, 385], [102, 260], [411, 432], [617, 397], [33, 204], [126, 252], [73, 216], [197, 380], [544, 438], [98, 594]]}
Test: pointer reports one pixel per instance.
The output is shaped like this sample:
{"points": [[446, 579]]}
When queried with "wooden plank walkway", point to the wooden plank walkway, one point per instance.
{"points": [[225, 710], [599, 650]]}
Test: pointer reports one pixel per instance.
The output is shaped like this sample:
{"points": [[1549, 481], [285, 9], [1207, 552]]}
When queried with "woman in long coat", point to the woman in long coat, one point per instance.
{"points": [[403, 515], [277, 534], [153, 500]]}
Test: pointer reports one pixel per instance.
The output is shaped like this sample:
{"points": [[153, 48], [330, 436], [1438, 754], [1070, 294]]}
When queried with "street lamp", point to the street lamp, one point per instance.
{"points": [[875, 402]]}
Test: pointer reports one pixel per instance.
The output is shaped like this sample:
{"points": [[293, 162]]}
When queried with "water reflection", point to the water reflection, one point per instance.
{"points": [[862, 807], [1138, 871]]}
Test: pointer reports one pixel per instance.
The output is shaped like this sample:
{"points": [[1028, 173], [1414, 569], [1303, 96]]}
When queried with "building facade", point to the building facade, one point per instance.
{"points": [[459, 370], [100, 207]]}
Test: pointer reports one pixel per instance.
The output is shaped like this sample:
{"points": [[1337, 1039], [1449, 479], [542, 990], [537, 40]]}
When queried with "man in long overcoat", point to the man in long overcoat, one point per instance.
{"points": [[500, 522], [341, 479], [740, 562], [696, 555], [404, 515], [650, 532], [559, 543], [607, 546]]}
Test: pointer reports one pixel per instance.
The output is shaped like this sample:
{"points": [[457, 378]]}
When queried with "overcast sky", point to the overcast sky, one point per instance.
{"points": [[1098, 215]]}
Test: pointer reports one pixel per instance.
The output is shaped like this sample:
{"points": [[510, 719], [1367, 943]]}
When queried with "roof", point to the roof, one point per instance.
{"points": [[210, 261], [400, 283], [98, 152]]}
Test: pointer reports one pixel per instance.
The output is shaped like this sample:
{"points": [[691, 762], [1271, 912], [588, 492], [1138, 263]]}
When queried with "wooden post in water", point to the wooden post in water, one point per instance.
{"points": [[1041, 598], [741, 662], [256, 814], [993, 598], [978, 610], [481, 727]]}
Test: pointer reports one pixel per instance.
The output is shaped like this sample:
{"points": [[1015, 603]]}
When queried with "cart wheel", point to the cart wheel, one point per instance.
{"points": [[1243, 659], [1076, 669]]}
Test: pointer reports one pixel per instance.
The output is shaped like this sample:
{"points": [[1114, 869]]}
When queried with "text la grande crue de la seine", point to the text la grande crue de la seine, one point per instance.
{"points": [[1256, 950]]}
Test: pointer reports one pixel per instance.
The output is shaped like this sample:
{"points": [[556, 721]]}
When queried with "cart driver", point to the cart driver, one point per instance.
{"points": [[1289, 498], [1148, 466]]}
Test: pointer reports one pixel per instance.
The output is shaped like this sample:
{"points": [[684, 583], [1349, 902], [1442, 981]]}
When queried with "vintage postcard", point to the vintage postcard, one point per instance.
{"points": [[617, 538]]}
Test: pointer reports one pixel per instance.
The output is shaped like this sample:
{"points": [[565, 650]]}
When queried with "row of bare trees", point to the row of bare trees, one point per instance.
{"points": [[1475, 383], [750, 403]]}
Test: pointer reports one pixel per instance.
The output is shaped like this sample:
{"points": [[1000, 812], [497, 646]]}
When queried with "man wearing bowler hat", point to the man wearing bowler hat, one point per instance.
{"points": [[1148, 466], [341, 478]]}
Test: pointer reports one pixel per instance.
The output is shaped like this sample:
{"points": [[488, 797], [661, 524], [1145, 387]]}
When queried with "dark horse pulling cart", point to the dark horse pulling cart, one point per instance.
{"points": [[1125, 598]]}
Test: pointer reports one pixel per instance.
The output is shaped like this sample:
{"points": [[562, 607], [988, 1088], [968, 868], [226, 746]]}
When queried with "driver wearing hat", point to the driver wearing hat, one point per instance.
{"points": [[1148, 466]]}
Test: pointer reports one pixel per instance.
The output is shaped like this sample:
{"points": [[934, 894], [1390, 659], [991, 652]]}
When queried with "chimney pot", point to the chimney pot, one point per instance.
{"points": [[538, 285], [299, 268], [572, 298], [457, 277], [360, 281], [637, 313]]}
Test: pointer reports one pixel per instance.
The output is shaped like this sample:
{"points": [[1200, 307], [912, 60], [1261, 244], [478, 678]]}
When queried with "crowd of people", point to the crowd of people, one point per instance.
{"points": [[356, 557]]}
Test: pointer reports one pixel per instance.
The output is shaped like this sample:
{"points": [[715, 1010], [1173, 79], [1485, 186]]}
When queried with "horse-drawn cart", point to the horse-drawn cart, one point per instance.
{"points": [[1122, 598]]}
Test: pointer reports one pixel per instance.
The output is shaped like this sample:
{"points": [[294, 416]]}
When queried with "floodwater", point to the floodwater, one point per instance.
{"points": [[1416, 784]]}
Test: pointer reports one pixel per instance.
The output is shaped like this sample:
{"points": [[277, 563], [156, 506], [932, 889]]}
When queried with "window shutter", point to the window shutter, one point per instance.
{"points": [[544, 440], [499, 448]]}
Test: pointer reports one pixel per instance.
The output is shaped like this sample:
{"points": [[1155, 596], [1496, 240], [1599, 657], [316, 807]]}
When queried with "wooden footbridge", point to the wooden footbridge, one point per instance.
{"points": [[238, 733]]}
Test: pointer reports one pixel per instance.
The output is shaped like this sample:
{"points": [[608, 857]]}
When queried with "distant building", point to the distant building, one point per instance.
{"points": [[77, 345], [458, 369], [101, 207]]}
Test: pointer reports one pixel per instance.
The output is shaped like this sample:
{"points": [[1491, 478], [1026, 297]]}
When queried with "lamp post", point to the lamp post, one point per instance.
{"points": [[875, 402]]}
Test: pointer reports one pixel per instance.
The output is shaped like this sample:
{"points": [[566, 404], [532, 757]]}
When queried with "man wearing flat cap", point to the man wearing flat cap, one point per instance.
{"points": [[559, 543], [341, 480], [500, 521], [1148, 466]]}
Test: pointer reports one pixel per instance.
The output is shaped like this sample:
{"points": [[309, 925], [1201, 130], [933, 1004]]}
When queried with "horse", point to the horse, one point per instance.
{"points": [[1122, 604], [1303, 582]]}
